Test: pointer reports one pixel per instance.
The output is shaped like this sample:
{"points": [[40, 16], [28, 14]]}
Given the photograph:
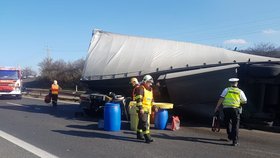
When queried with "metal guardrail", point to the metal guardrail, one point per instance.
{"points": [[63, 94]]}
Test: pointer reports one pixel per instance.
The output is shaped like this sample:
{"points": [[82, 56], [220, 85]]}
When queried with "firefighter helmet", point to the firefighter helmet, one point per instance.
{"points": [[134, 80], [148, 78]]}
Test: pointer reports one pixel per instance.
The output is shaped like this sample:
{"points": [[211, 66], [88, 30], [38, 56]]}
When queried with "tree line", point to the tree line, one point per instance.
{"points": [[263, 49], [67, 74]]}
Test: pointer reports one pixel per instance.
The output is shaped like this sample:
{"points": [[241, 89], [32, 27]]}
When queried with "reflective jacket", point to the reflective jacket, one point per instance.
{"points": [[232, 98], [55, 89], [144, 98], [147, 100]]}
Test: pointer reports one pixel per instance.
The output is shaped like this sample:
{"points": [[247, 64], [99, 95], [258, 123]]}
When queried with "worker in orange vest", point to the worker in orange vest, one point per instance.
{"points": [[54, 92]]}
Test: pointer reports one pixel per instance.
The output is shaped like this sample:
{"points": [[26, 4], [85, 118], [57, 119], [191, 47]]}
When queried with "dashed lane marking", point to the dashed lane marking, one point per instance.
{"points": [[33, 149]]}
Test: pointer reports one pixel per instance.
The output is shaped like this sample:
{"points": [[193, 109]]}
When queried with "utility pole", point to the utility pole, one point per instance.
{"points": [[48, 52]]}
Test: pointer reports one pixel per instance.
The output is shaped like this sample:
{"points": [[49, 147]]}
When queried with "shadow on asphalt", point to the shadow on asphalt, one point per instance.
{"points": [[61, 111], [94, 133], [8, 98], [191, 139], [194, 139], [125, 126]]}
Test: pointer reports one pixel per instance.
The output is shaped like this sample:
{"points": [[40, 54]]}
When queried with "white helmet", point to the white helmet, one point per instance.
{"points": [[134, 80], [233, 80], [148, 78]]}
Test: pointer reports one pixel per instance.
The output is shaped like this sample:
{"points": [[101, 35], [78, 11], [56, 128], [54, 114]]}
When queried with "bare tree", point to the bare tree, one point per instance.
{"points": [[27, 72], [46, 67], [68, 74], [264, 49]]}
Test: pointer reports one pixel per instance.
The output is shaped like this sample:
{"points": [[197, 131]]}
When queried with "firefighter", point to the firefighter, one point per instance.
{"points": [[135, 90], [144, 101], [135, 87], [54, 92], [232, 98], [134, 84]]}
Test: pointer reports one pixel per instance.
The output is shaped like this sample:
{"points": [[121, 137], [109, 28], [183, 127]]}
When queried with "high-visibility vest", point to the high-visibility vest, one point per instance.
{"points": [[232, 98], [55, 89], [147, 100]]}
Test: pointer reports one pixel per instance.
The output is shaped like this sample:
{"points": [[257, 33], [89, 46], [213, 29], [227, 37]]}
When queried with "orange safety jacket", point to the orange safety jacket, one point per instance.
{"points": [[54, 89]]}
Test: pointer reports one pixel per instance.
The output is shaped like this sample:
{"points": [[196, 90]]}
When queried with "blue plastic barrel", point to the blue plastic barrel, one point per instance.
{"points": [[161, 119], [112, 117]]}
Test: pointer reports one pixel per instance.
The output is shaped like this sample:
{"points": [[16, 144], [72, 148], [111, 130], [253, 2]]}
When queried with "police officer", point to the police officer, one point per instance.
{"points": [[144, 102], [232, 98]]}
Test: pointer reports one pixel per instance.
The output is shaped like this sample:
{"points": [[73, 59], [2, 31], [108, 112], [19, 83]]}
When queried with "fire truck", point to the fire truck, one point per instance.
{"points": [[10, 82]]}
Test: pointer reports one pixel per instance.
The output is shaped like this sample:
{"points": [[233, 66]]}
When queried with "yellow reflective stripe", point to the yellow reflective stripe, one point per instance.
{"points": [[146, 132], [232, 98], [139, 130], [232, 101], [138, 97]]}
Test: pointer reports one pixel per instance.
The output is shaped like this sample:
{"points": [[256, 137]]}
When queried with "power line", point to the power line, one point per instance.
{"points": [[223, 29]]}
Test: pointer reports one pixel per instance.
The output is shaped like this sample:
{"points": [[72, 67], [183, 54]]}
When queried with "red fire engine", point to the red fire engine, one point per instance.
{"points": [[10, 82]]}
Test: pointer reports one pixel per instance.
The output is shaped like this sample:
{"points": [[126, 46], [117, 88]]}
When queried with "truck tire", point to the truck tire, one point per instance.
{"points": [[264, 70]]}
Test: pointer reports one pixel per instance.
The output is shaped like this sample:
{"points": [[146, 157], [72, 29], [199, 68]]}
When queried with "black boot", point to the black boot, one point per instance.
{"points": [[148, 138], [140, 136], [234, 143], [229, 138]]}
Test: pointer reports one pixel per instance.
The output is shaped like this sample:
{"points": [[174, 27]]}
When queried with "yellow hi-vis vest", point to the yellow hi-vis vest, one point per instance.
{"points": [[55, 89], [232, 98], [147, 100]]}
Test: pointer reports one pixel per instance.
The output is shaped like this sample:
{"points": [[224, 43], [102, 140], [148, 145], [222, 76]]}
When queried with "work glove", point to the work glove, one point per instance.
{"points": [[217, 114]]}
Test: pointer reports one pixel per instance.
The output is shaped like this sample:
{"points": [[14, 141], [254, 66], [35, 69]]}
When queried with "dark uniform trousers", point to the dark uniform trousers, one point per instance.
{"points": [[54, 99], [143, 122], [232, 120]]}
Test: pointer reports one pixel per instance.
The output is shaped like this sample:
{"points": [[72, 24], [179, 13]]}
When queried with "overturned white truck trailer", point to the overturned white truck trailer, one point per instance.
{"points": [[189, 75]]}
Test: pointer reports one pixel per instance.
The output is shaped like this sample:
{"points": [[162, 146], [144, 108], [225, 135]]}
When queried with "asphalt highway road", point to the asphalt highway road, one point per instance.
{"points": [[29, 127]]}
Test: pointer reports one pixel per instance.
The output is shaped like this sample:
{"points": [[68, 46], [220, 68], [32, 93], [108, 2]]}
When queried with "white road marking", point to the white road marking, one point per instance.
{"points": [[37, 151], [14, 104]]}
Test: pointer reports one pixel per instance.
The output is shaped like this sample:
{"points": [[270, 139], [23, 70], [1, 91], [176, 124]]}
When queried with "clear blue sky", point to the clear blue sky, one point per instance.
{"points": [[29, 27]]}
